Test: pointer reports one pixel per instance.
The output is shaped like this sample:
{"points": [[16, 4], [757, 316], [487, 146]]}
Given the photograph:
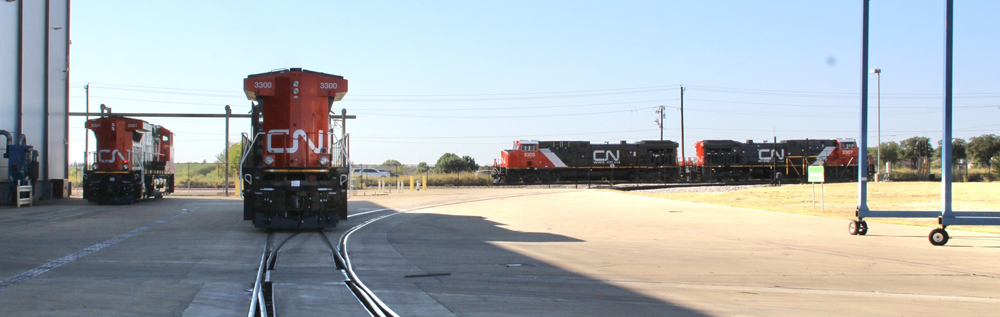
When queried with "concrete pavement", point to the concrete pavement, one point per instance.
{"points": [[498, 252]]}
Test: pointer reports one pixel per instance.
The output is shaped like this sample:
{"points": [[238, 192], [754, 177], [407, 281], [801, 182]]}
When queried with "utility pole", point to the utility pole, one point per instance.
{"points": [[86, 140], [229, 111], [343, 137], [683, 157], [659, 121], [878, 125]]}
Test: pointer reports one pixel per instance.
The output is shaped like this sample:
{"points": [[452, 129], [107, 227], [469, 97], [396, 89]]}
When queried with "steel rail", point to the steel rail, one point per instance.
{"points": [[255, 297], [258, 300]]}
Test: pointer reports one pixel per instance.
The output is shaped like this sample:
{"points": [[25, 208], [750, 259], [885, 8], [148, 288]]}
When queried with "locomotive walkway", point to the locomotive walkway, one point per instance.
{"points": [[561, 252]]}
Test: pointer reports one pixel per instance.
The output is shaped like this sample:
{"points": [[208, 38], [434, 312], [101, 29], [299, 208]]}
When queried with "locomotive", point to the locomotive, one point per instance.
{"points": [[722, 160], [531, 161], [133, 161], [290, 178]]}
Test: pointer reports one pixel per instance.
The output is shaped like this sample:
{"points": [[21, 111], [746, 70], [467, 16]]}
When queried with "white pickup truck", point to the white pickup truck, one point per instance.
{"points": [[370, 173]]}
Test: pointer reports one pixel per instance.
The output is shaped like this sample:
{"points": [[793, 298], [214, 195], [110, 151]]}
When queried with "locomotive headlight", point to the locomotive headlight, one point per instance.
{"points": [[95, 166], [268, 160], [295, 91], [295, 83], [323, 160], [124, 166]]}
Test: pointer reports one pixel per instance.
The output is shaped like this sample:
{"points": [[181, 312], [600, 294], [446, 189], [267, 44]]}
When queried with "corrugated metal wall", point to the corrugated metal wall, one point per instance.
{"points": [[34, 82]]}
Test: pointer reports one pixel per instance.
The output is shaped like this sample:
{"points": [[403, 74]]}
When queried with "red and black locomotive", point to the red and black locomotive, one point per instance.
{"points": [[289, 173], [723, 160], [551, 161], [134, 160], [657, 161]]}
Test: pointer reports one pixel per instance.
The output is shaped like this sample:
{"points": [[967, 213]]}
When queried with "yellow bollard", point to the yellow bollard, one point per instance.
{"points": [[425, 183], [411, 183]]}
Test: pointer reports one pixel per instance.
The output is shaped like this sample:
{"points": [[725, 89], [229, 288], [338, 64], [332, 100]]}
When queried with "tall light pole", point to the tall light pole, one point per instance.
{"points": [[659, 121], [878, 102], [86, 134]]}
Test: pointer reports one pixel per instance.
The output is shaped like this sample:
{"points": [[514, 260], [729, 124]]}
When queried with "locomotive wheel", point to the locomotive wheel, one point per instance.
{"points": [[529, 179], [512, 179], [852, 227], [547, 178], [938, 237]]}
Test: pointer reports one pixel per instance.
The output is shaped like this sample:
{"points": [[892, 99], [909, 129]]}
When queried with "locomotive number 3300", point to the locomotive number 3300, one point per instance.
{"points": [[262, 84], [327, 85]]}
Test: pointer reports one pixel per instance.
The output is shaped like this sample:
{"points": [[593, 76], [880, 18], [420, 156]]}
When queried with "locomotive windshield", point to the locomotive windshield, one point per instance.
{"points": [[529, 147], [848, 145]]}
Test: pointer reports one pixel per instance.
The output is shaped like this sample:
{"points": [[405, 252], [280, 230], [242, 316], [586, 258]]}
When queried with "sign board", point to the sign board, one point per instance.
{"points": [[816, 174]]}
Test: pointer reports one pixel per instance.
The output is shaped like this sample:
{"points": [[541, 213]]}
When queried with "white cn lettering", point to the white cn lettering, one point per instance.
{"points": [[766, 158], [606, 156], [278, 150], [108, 156], [315, 147]]}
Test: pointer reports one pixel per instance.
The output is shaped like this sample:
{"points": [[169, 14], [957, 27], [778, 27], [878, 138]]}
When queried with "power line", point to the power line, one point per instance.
{"points": [[519, 107], [580, 95], [171, 102], [501, 116], [501, 136]]}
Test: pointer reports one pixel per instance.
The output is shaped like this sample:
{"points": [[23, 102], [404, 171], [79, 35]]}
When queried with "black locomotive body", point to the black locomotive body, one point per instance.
{"points": [[550, 161]]}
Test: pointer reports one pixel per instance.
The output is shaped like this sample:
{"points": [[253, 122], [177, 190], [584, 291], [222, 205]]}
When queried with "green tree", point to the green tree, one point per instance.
{"points": [[984, 147], [235, 157], [391, 165], [958, 150], [422, 168], [996, 167], [470, 163], [915, 148], [449, 163], [891, 152]]}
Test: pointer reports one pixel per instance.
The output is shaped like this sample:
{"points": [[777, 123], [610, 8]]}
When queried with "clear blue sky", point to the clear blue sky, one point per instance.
{"points": [[470, 77]]}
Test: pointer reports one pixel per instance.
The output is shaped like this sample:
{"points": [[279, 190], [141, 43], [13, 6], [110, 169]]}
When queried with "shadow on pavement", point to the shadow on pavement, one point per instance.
{"points": [[435, 260]]}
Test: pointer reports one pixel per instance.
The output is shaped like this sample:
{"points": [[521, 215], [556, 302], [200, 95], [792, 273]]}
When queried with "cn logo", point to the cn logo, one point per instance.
{"points": [[295, 141], [764, 155], [109, 156], [606, 156]]}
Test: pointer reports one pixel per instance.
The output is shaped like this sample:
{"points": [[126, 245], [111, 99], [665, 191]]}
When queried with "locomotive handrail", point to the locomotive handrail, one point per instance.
{"points": [[247, 150]]}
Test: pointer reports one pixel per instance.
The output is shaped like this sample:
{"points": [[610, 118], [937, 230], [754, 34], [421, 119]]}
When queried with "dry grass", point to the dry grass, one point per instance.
{"points": [[841, 199]]}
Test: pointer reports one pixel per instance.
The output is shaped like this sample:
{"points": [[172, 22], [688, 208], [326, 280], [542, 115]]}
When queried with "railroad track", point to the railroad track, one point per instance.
{"points": [[632, 187], [264, 300], [264, 297]]}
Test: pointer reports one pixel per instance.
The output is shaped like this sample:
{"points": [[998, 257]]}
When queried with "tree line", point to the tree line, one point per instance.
{"points": [[983, 150]]}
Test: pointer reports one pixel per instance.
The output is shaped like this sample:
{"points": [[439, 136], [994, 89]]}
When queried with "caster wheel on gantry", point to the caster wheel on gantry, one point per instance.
{"points": [[862, 228], [938, 237], [854, 227]]}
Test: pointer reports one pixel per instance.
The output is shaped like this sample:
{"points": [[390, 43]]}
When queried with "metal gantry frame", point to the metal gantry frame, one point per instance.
{"points": [[946, 216]]}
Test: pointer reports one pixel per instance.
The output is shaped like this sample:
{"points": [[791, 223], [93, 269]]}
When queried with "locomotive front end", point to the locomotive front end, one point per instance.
{"points": [[115, 173], [289, 176]]}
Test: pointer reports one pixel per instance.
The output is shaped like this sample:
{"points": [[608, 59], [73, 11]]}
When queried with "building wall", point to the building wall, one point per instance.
{"points": [[34, 82]]}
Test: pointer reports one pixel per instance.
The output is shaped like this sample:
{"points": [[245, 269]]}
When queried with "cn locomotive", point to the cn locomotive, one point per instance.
{"points": [[723, 160], [531, 161], [290, 179], [134, 160]]}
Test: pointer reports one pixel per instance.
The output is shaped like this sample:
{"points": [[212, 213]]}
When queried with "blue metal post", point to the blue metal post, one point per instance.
{"points": [[863, 140], [946, 139]]}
